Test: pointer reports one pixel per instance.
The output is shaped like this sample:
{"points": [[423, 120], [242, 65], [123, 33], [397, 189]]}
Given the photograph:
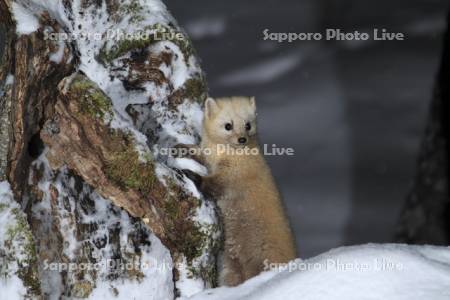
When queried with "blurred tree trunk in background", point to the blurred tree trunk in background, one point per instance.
{"points": [[425, 218]]}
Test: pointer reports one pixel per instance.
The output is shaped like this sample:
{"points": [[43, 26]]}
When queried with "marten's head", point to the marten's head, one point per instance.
{"points": [[230, 121]]}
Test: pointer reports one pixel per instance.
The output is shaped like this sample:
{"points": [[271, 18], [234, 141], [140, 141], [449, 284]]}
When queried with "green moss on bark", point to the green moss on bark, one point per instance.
{"points": [[133, 10], [188, 236], [129, 172], [93, 101], [82, 289], [196, 89]]}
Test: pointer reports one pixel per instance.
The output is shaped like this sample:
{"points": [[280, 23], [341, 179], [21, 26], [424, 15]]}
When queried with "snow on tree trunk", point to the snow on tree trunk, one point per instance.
{"points": [[91, 93], [425, 218]]}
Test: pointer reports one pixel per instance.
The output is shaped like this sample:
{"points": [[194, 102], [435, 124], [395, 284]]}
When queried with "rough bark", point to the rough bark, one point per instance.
{"points": [[78, 175], [426, 216], [7, 38]]}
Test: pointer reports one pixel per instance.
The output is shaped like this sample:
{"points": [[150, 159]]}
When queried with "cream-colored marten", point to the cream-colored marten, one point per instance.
{"points": [[256, 227]]}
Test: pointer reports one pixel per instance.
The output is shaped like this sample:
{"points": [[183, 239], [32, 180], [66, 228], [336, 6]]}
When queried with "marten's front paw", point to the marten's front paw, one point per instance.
{"points": [[191, 168]]}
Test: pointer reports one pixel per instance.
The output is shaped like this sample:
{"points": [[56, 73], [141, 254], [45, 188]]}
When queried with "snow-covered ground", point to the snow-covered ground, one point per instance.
{"points": [[368, 272]]}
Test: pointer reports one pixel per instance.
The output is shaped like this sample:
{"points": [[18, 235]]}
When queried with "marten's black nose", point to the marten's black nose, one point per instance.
{"points": [[242, 140]]}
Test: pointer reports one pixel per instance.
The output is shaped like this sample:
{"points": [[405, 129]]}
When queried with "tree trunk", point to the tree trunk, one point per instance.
{"points": [[84, 109], [426, 216]]}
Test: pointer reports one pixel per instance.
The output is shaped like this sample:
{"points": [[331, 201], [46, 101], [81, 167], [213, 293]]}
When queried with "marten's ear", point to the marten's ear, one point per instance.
{"points": [[210, 107], [253, 103]]}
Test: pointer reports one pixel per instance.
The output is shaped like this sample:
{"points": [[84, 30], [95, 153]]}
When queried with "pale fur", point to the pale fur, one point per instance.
{"points": [[256, 227]]}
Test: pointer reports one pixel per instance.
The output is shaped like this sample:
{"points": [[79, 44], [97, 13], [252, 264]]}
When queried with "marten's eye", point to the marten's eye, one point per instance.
{"points": [[248, 126], [228, 126]]}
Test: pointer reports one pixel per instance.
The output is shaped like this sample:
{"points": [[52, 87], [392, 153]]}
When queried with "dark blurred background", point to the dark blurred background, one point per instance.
{"points": [[353, 111]]}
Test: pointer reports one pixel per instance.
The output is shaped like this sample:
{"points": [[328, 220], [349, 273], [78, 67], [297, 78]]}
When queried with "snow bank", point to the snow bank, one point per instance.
{"points": [[390, 272]]}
